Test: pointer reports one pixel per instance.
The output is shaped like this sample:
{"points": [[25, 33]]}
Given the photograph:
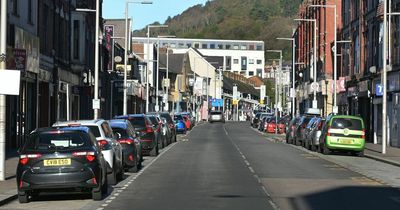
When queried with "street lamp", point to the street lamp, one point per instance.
{"points": [[148, 61], [335, 108], [293, 74], [314, 85], [96, 101], [125, 102], [276, 86]]}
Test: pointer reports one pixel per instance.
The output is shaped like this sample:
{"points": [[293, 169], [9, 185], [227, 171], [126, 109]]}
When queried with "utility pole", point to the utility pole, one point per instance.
{"points": [[384, 75], [3, 48]]}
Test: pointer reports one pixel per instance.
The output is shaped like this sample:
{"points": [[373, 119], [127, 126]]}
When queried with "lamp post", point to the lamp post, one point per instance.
{"points": [[293, 74], [276, 86], [314, 21], [333, 6], [3, 49], [148, 61], [125, 102], [96, 101]]}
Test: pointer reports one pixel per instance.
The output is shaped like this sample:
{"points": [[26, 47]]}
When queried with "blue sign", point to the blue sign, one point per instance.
{"points": [[379, 90], [217, 102]]}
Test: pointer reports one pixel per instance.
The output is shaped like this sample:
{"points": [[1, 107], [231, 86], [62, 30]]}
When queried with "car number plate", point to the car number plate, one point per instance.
{"points": [[346, 141], [57, 162]]}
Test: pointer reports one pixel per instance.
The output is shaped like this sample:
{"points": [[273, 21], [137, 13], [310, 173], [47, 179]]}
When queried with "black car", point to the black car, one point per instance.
{"points": [[157, 124], [148, 134], [130, 142], [171, 123], [61, 159]]}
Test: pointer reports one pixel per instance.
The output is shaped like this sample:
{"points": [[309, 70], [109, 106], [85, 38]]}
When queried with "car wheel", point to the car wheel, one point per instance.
{"points": [[97, 195], [326, 150], [112, 178], [104, 187], [154, 151], [23, 197]]}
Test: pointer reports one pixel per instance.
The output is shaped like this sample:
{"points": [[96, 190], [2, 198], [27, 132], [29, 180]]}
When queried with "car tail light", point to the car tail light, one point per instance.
{"points": [[131, 157], [103, 143], [23, 159], [125, 141], [149, 129], [363, 134], [329, 132], [171, 126], [90, 156]]}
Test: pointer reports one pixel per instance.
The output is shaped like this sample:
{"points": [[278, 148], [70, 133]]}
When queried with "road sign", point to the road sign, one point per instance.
{"points": [[315, 86], [235, 102], [379, 90], [9, 82], [261, 101], [96, 103]]}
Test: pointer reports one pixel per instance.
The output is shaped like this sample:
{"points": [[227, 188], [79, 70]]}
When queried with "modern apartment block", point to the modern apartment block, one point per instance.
{"points": [[242, 57]]}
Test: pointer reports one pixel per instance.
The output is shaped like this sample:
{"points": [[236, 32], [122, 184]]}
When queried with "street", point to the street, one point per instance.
{"points": [[231, 166]]}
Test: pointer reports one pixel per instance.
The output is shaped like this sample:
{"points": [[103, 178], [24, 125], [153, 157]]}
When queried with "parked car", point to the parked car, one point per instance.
{"points": [[256, 120], [300, 128], [343, 133], [191, 118], [186, 120], [307, 130], [171, 124], [263, 123], [148, 135], [158, 126], [312, 141], [180, 124], [130, 142], [291, 130], [216, 116], [110, 147], [61, 159]]}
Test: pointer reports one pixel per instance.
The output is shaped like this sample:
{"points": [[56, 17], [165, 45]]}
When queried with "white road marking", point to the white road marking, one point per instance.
{"points": [[251, 169], [247, 162]]}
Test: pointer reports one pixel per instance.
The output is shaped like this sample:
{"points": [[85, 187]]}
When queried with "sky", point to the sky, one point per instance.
{"points": [[144, 14]]}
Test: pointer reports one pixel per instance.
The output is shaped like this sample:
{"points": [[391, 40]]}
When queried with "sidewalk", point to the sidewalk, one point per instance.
{"points": [[8, 188], [374, 151]]}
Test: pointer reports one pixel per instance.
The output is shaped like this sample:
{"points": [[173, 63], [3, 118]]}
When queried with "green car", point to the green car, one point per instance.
{"points": [[343, 133]]}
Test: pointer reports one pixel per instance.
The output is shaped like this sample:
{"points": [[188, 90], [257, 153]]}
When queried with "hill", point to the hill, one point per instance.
{"points": [[237, 19]]}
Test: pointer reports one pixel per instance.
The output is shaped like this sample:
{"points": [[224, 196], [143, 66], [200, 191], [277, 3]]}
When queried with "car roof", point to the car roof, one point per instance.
{"points": [[347, 116], [119, 123], [49, 129], [81, 122]]}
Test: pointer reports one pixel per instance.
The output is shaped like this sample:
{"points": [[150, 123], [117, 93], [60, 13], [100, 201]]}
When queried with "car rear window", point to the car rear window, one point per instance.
{"points": [[137, 122], [63, 141], [349, 123], [95, 130], [121, 133], [153, 120], [167, 117], [216, 113], [178, 117]]}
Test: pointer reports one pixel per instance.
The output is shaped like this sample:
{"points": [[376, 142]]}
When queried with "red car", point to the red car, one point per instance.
{"points": [[187, 122], [270, 126]]}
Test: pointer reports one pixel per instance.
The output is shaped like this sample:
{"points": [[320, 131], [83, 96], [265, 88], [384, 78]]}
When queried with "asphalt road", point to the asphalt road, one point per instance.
{"points": [[231, 166]]}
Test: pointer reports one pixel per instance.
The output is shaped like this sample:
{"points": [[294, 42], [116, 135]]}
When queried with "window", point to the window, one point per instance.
{"points": [[196, 45], [76, 39], [220, 46], [235, 47], [228, 63], [259, 61], [251, 61], [251, 47], [357, 55], [251, 73], [259, 72], [181, 45], [30, 12], [15, 7], [228, 46], [243, 47], [189, 45], [212, 46], [244, 63], [204, 46], [235, 61], [259, 47]]}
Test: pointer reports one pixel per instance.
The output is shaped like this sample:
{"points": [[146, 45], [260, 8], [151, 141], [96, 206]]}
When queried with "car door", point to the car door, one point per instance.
{"points": [[108, 133]]}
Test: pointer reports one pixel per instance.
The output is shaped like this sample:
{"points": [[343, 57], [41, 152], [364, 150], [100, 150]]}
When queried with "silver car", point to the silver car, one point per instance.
{"points": [[312, 138], [110, 147], [216, 116]]}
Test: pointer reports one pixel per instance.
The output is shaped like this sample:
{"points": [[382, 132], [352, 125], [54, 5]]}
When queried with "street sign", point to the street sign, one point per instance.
{"points": [[379, 90], [314, 86], [96, 103], [235, 102], [217, 102], [262, 91], [9, 82]]}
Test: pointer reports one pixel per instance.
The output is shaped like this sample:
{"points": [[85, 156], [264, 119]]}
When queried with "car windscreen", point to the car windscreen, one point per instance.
{"points": [[120, 132], [349, 123], [137, 122], [58, 141], [178, 117]]}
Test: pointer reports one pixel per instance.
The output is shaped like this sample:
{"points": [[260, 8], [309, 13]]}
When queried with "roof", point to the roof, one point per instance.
{"points": [[119, 123], [78, 128], [82, 122], [242, 87], [175, 62]]}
